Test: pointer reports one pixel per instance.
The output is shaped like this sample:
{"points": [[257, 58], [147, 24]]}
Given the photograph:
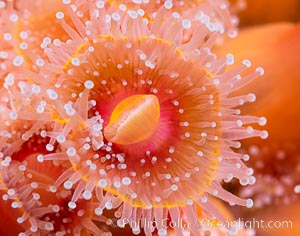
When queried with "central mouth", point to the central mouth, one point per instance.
{"points": [[133, 120]]}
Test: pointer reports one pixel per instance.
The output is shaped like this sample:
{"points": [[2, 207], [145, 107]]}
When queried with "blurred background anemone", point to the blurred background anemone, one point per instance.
{"points": [[269, 35]]}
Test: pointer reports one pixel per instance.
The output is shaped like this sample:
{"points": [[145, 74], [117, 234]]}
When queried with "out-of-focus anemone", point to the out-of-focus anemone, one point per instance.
{"points": [[36, 207], [28, 26], [220, 12], [275, 160], [277, 174], [145, 117]]}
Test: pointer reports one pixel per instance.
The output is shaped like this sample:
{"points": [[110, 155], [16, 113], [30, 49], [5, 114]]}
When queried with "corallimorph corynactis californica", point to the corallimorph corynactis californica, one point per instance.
{"points": [[132, 114]]}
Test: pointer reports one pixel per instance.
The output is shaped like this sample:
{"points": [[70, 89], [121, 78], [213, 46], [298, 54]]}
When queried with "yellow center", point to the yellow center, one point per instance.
{"points": [[133, 120]]}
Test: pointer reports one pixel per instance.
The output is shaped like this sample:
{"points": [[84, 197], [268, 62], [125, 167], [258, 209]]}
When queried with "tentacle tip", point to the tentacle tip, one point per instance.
{"points": [[264, 134], [260, 70], [249, 203], [60, 15], [262, 121]]}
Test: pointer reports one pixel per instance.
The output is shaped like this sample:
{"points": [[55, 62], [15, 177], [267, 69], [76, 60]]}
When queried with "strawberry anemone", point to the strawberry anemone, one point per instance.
{"points": [[146, 117], [277, 179], [22, 41], [276, 161], [29, 26], [37, 207], [26, 116], [218, 11]]}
